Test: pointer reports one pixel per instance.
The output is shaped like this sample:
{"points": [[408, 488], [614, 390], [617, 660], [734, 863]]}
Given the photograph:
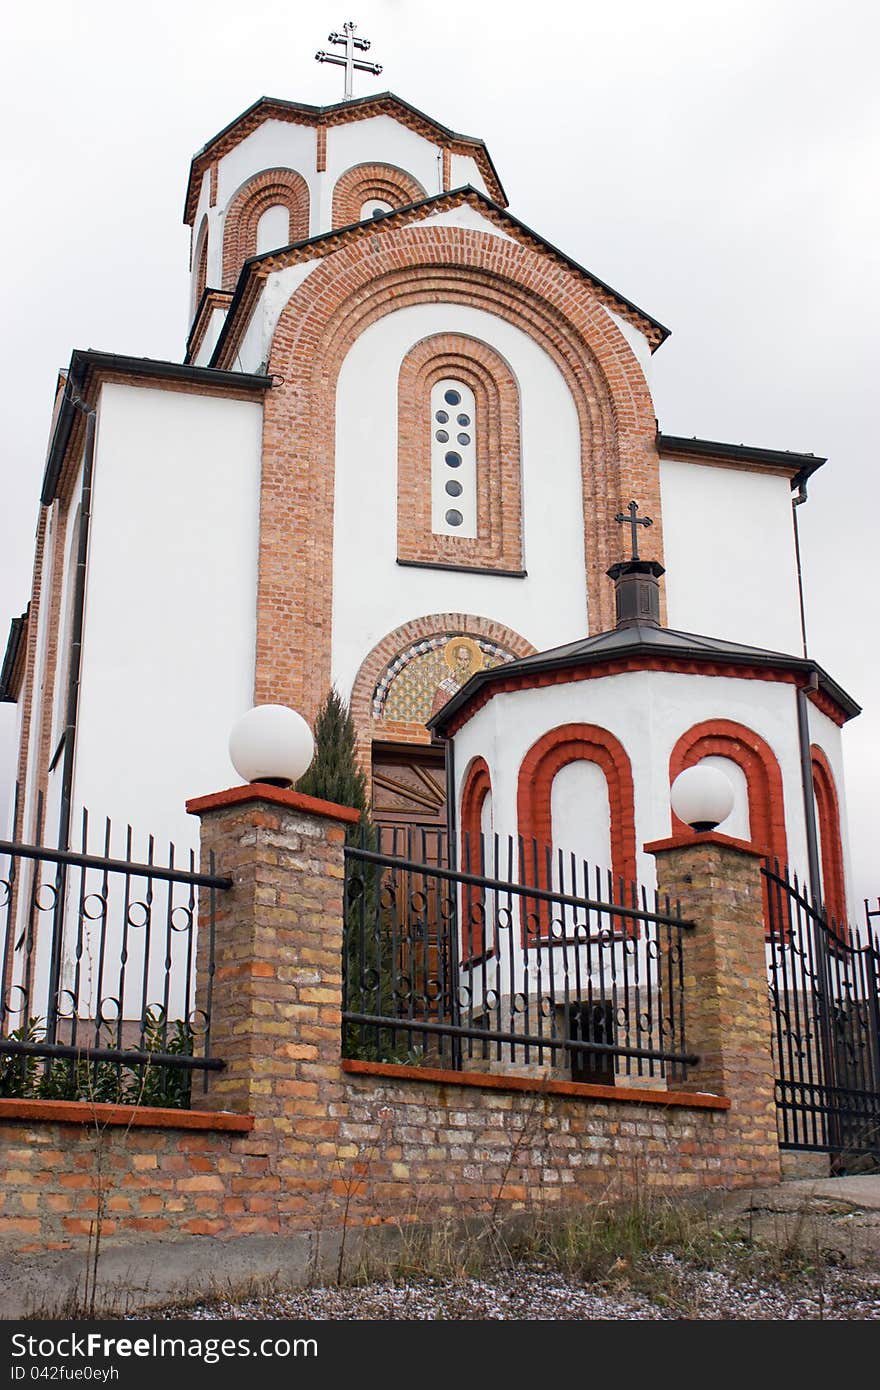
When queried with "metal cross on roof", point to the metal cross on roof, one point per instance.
{"points": [[634, 521], [349, 62]]}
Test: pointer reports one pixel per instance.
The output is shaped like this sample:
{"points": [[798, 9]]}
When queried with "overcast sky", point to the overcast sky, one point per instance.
{"points": [[714, 160]]}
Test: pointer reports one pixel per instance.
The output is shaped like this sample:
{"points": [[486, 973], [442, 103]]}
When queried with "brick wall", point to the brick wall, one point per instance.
{"points": [[312, 1137]]}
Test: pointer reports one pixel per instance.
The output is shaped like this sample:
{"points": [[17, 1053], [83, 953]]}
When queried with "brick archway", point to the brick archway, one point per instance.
{"points": [[385, 652], [725, 739], [341, 297], [552, 752], [828, 813], [271, 188], [363, 182], [476, 787]]}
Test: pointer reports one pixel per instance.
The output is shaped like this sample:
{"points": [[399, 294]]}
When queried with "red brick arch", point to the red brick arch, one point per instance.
{"points": [[828, 812], [200, 262], [273, 187], [476, 787], [498, 542], [723, 738], [397, 641], [365, 181], [341, 297], [566, 744]]}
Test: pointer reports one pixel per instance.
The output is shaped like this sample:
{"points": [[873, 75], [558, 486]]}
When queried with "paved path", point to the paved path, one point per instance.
{"points": [[841, 1214]]}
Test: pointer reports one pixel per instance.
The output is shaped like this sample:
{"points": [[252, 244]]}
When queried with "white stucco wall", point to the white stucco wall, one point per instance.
{"points": [[209, 342], [648, 712], [273, 145], [379, 140], [464, 169], [728, 545], [168, 646], [257, 340], [371, 593]]}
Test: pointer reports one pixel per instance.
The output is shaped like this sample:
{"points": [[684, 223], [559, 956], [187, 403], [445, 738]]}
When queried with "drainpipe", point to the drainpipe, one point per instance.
{"points": [[798, 501], [71, 704]]}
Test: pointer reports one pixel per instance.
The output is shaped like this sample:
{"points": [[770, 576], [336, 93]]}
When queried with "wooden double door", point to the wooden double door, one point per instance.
{"points": [[409, 812]]}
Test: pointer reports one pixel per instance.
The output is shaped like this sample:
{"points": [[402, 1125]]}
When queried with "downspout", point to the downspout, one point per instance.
{"points": [[813, 861], [798, 501], [71, 708]]}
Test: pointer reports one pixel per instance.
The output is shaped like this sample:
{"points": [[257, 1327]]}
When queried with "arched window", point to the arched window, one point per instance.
{"points": [[366, 187], [830, 847], [723, 739], [459, 477], [453, 459], [476, 857], [273, 229], [374, 207], [200, 264], [255, 218], [537, 800]]}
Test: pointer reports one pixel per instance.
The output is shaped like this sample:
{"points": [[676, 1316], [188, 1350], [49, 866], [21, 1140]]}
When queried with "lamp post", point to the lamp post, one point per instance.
{"points": [[271, 744], [702, 797]]}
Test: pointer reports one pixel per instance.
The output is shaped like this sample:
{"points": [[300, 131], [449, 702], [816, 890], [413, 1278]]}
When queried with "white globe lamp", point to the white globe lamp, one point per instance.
{"points": [[702, 797], [271, 743]]}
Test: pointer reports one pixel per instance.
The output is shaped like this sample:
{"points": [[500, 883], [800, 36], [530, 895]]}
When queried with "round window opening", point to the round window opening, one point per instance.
{"points": [[454, 488], [463, 438], [454, 518], [453, 459], [463, 419], [442, 436], [442, 416], [452, 397]]}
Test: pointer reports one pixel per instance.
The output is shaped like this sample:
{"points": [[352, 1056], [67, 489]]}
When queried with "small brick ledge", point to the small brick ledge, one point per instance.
{"points": [[74, 1112], [692, 839], [490, 1081]]}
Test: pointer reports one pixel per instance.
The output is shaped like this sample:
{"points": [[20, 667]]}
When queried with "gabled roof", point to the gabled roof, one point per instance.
{"points": [[639, 642], [341, 113], [799, 466], [256, 268]]}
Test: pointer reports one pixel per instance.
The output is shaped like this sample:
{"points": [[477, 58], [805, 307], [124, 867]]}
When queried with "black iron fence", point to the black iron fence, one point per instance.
{"points": [[825, 1002], [518, 959], [98, 969]]}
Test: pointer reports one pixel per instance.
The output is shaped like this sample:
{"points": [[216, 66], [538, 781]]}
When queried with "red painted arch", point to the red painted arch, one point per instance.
{"points": [[828, 812], [476, 787]]}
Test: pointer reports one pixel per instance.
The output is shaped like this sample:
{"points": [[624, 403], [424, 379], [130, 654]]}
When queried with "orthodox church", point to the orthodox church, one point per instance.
{"points": [[410, 450]]}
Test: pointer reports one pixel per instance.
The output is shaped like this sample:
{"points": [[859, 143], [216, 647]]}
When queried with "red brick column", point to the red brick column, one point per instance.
{"points": [[727, 1015], [277, 987]]}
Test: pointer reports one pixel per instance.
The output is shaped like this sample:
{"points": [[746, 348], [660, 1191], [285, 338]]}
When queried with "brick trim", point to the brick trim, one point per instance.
{"points": [[447, 168], [723, 738], [200, 260], [498, 543], [341, 297], [267, 189], [557, 748], [689, 839], [268, 108], [599, 668], [364, 181], [489, 1081], [391, 646], [72, 1112], [320, 148], [275, 796], [476, 787], [828, 811]]}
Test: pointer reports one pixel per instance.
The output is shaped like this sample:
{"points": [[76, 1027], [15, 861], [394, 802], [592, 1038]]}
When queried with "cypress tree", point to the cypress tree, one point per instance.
{"points": [[334, 774]]}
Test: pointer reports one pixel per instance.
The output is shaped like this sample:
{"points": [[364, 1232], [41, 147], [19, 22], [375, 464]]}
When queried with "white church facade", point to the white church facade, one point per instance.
{"points": [[398, 457]]}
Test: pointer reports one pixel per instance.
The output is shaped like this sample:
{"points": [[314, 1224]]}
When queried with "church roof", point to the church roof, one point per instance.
{"points": [[638, 643], [340, 113], [86, 367], [799, 466], [256, 268]]}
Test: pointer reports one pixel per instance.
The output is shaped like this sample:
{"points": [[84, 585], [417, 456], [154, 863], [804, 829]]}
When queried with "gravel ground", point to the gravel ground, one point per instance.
{"points": [[677, 1290]]}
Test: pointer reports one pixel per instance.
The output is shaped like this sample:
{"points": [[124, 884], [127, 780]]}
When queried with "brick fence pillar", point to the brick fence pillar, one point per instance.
{"points": [[277, 985], [718, 882]]}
